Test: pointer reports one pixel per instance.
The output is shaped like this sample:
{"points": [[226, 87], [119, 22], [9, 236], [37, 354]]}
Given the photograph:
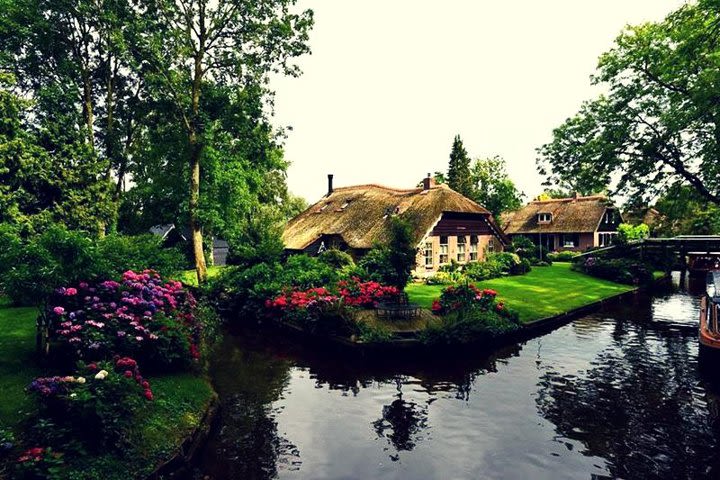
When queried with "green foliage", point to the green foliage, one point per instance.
{"points": [[563, 256], [391, 264], [653, 129], [492, 187], [32, 268], [46, 179], [471, 325], [526, 249], [336, 259], [620, 270], [684, 212], [629, 233], [373, 333], [458, 176]]}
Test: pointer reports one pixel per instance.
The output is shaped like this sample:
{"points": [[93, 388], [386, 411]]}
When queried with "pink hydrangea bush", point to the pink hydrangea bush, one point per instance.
{"points": [[97, 405], [365, 294], [39, 463], [142, 316]]}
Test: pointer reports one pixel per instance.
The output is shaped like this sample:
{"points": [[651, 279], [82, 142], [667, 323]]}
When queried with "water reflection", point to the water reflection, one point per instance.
{"points": [[611, 395]]}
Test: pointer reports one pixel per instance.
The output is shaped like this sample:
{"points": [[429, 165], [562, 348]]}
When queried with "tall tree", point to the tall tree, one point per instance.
{"points": [[47, 176], [659, 123], [458, 176], [70, 57], [182, 46], [492, 186]]}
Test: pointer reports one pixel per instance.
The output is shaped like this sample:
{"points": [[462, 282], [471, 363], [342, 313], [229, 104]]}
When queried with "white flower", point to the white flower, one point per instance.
{"points": [[80, 380], [101, 375], [73, 395]]}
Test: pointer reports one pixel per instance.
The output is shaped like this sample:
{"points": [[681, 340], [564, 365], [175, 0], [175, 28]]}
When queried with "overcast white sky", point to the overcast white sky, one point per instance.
{"points": [[390, 82]]}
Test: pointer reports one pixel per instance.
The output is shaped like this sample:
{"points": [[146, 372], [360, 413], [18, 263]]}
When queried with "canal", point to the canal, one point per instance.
{"points": [[614, 394]]}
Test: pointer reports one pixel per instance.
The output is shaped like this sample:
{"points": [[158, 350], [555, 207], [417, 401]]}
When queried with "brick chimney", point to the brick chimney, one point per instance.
{"points": [[330, 184], [428, 182]]}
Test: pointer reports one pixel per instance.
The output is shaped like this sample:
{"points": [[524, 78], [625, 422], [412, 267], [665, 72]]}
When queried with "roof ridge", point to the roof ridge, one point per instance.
{"points": [[572, 199]]}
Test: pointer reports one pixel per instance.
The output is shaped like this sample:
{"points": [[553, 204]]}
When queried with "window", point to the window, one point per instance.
{"points": [[461, 249], [444, 256], [473, 248], [544, 217], [606, 238], [569, 241], [609, 216], [428, 255]]}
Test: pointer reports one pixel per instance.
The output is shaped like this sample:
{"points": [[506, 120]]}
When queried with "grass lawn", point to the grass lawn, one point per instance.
{"points": [[17, 361], [189, 277], [180, 402], [544, 292]]}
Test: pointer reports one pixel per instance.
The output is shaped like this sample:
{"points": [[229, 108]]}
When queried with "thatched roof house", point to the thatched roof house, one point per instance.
{"points": [[356, 218], [574, 223]]}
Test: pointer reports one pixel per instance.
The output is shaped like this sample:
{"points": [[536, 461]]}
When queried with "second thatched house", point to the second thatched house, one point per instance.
{"points": [[449, 226], [575, 223]]}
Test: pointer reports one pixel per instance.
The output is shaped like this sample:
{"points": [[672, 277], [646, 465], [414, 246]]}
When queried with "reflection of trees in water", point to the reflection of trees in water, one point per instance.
{"points": [[247, 445], [402, 422], [638, 406]]}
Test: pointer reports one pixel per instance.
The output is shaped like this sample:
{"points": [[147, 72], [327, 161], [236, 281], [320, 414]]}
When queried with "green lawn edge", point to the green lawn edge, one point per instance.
{"points": [[541, 293], [181, 401]]}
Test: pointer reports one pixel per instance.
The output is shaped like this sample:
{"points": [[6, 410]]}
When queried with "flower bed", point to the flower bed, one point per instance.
{"points": [[141, 316], [322, 311]]}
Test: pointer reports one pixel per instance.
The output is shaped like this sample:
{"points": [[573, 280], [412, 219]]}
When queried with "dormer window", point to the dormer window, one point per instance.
{"points": [[544, 217], [609, 216]]}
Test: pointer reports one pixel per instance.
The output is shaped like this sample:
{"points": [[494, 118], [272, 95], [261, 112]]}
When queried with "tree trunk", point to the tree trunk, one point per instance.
{"points": [[195, 230], [195, 155]]}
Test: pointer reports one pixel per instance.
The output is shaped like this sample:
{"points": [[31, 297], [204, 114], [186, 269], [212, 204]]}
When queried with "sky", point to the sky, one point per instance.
{"points": [[389, 84]]}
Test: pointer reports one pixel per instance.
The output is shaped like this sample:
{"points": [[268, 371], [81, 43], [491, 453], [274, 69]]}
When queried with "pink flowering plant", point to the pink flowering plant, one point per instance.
{"points": [[320, 310], [142, 315], [40, 463], [97, 405], [468, 296]]}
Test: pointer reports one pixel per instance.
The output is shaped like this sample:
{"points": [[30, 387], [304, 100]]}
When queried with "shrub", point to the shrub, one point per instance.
{"points": [[392, 264], [630, 272], [40, 463], [316, 310], [373, 333], [142, 316], [445, 278], [119, 253], [97, 406], [304, 271], [365, 294], [336, 258], [563, 256], [243, 291], [473, 324], [462, 297]]}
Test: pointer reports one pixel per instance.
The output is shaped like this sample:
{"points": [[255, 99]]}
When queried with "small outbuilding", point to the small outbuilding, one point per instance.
{"points": [[449, 226]]}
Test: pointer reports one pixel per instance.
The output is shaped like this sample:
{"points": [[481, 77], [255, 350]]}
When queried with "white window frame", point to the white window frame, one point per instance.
{"points": [[428, 253], [461, 248], [544, 217], [568, 243], [605, 238], [474, 248], [444, 250]]}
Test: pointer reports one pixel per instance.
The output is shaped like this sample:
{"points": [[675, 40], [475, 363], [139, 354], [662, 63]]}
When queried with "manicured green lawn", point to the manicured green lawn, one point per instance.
{"points": [[544, 292]]}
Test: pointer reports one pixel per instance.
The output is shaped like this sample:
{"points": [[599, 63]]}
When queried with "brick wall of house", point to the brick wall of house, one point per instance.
{"points": [[484, 242]]}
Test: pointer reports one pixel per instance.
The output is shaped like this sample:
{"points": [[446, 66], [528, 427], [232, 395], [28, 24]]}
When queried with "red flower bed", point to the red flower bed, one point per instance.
{"points": [[365, 294]]}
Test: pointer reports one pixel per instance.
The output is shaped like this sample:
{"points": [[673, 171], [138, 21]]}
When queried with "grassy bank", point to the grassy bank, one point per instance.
{"points": [[179, 405], [189, 277], [544, 292]]}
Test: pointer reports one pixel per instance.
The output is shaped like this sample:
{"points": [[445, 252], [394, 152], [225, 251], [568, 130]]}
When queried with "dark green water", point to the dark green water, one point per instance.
{"points": [[616, 394]]}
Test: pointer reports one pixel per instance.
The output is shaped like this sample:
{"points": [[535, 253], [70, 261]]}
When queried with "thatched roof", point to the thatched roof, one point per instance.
{"points": [[569, 215], [361, 214]]}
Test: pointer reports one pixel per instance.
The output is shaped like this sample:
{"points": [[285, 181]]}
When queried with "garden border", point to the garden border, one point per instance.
{"points": [[527, 331]]}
